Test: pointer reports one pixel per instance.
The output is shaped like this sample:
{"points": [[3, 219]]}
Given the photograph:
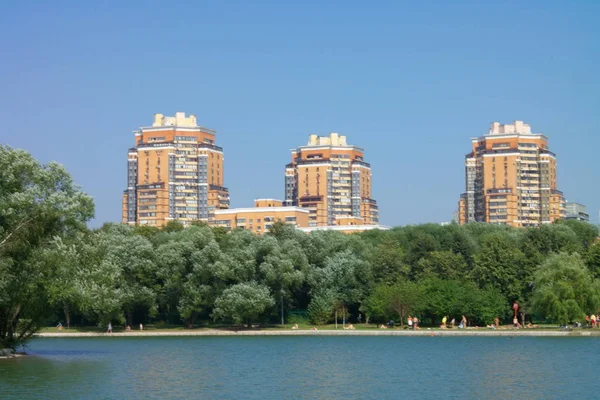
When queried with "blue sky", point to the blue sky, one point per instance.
{"points": [[411, 82]]}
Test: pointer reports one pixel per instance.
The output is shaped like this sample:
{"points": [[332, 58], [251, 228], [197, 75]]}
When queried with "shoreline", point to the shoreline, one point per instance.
{"points": [[215, 332], [14, 355]]}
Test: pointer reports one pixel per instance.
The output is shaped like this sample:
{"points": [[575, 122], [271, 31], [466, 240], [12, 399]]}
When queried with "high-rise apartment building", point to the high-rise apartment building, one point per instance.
{"points": [[331, 179], [174, 172], [511, 178]]}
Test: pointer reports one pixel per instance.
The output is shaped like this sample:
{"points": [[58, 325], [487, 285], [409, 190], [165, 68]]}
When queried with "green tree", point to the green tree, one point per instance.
{"points": [[388, 262], [173, 226], [405, 298], [443, 298], [585, 232], [483, 305], [134, 258], [376, 306], [592, 259], [420, 244], [500, 264], [61, 263], [321, 307], [243, 303], [346, 277], [37, 203], [283, 270], [564, 290], [201, 286], [442, 264]]}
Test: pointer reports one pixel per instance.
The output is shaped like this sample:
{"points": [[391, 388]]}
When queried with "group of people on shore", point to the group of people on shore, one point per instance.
{"points": [[127, 328], [591, 321], [109, 329], [461, 325]]}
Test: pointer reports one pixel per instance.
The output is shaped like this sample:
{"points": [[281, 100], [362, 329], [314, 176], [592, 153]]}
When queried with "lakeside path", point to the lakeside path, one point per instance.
{"points": [[424, 332]]}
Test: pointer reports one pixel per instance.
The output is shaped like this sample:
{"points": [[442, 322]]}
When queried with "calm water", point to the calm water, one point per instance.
{"points": [[305, 368]]}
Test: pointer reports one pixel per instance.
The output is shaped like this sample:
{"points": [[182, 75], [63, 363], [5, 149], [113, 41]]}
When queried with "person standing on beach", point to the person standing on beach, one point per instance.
{"points": [[141, 327], [109, 329], [593, 318], [452, 323], [409, 320], [443, 326], [463, 322], [415, 323]]}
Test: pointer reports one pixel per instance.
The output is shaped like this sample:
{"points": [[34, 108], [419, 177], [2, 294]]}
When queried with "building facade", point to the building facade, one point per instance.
{"points": [[260, 218], [331, 180], [576, 211], [174, 172], [347, 225], [510, 177]]}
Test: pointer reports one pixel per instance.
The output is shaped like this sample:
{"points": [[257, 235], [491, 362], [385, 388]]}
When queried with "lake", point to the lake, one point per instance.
{"points": [[305, 368]]}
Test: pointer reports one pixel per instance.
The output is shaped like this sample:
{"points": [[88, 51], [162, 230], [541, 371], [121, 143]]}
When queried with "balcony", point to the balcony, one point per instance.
{"points": [[547, 152], [209, 146], [309, 162], [361, 163], [494, 191], [310, 199], [221, 188]]}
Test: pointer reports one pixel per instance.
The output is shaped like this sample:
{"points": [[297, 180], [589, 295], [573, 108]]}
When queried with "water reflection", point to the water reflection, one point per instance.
{"points": [[304, 367]]}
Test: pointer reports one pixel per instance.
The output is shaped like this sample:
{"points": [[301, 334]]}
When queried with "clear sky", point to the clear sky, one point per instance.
{"points": [[410, 82]]}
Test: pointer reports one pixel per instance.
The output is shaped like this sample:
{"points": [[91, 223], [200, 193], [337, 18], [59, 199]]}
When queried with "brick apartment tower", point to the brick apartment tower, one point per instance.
{"points": [[174, 172], [330, 178], [511, 179]]}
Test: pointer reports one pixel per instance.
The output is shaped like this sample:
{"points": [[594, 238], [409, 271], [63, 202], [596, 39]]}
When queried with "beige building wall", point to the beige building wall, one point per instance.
{"points": [[268, 203], [259, 219]]}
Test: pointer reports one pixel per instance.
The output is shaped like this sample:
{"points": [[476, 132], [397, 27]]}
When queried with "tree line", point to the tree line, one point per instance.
{"points": [[53, 268]]}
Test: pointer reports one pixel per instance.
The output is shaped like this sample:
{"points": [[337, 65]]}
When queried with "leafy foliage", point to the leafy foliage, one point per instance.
{"points": [[52, 267], [243, 303], [564, 289], [37, 203]]}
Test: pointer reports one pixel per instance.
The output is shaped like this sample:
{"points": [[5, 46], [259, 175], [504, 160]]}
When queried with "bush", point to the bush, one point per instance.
{"points": [[300, 318], [319, 310]]}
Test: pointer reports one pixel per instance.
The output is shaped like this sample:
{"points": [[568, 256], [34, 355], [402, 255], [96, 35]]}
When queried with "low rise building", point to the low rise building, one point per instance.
{"points": [[576, 211], [344, 228], [345, 224], [261, 217]]}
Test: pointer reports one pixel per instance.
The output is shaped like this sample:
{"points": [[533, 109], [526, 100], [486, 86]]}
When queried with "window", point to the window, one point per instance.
{"points": [[185, 138]]}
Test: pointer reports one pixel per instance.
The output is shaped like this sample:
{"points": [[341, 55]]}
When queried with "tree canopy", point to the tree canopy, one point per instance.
{"points": [[53, 269]]}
